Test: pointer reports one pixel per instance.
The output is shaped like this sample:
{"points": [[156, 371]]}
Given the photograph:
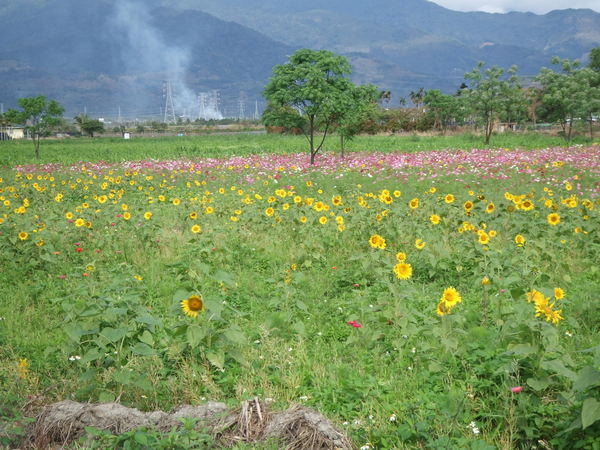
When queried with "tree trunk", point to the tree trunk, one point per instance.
{"points": [[311, 130], [591, 128], [570, 130], [342, 143], [488, 130], [36, 144]]}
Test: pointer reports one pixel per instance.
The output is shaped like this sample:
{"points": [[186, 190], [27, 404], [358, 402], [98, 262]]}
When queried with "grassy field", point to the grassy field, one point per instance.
{"points": [[215, 146], [439, 300]]}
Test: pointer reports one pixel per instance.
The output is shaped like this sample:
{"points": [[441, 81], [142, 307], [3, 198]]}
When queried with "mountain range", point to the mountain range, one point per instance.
{"points": [[104, 54]]}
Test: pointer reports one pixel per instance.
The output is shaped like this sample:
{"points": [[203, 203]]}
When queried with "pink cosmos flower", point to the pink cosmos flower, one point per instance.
{"points": [[516, 389], [354, 323]]}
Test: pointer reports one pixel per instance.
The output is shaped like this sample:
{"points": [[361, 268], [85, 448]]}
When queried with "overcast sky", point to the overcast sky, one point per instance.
{"points": [[502, 6]]}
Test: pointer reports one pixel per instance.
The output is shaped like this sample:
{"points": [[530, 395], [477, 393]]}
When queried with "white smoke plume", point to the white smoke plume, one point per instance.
{"points": [[145, 51]]}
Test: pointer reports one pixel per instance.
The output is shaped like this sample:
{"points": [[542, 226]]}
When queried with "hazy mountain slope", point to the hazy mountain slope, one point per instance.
{"points": [[77, 50], [539, 32], [416, 32]]}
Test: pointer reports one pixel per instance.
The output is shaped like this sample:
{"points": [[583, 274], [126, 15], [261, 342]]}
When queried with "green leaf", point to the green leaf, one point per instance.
{"points": [[47, 258], [538, 385], [216, 359], [142, 382], [73, 331], [590, 412], [587, 377], [112, 314], [195, 334], [106, 397], [235, 336], [299, 328], [180, 295], [224, 277], [91, 355], [557, 366], [147, 338], [522, 350], [142, 349], [114, 334], [88, 375], [148, 320], [141, 438], [122, 376]]}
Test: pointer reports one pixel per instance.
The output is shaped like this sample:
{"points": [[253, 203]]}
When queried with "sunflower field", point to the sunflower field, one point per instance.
{"points": [[434, 299]]}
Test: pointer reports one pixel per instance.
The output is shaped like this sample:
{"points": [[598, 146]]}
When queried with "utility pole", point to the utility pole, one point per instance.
{"points": [[202, 97], [242, 106], [256, 115], [169, 107], [120, 119], [1, 108]]}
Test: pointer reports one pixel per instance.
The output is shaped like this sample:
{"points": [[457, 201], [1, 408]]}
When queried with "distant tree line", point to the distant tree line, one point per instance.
{"points": [[303, 98]]}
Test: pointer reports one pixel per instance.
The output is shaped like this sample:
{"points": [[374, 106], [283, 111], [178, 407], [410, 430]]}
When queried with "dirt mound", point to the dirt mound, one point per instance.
{"points": [[296, 428]]}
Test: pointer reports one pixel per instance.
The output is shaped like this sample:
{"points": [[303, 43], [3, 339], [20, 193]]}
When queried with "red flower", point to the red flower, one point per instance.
{"points": [[354, 323], [78, 249]]}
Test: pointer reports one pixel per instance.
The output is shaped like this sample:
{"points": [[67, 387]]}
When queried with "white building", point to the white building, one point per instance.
{"points": [[9, 133]]}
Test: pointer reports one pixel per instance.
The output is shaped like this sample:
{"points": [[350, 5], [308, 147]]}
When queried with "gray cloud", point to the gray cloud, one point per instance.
{"points": [[502, 6]]}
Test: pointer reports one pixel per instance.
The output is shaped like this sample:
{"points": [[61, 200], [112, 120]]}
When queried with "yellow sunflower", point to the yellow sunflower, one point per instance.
{"points": [[377, 241], [403, 271], [435, 219], [553, 219], [449, 198], [450, 297], [196, 229], [420, 244], [527, 205], [442, 309], [193, 306]]}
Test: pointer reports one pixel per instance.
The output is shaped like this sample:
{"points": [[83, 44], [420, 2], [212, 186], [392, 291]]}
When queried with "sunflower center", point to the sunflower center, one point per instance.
{"points": [[194, 304]]}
